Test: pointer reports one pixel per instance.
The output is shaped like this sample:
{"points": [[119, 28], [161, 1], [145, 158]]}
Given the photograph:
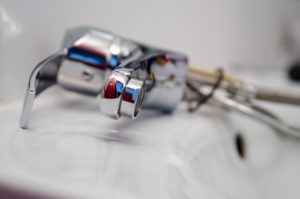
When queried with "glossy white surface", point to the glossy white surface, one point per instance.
{"points": [[69, 150], [72, 150]]}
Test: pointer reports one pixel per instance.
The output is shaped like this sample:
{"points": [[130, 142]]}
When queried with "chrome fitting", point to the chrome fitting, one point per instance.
{"points": [[119, 70]]}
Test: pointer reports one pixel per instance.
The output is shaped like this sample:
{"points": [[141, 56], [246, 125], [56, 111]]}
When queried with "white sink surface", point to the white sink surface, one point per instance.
{"points": [[70, 149]]}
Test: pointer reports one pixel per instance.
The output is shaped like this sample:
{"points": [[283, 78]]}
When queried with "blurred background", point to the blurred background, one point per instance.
{"points": [[255, 34], [259, 39]]}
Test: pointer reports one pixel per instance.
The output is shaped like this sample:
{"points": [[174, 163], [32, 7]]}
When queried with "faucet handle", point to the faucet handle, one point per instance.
{"points": [[112, 94], [133, 97], [122, 95]]}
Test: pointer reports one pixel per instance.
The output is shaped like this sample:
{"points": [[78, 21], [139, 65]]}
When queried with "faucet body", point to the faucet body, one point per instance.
{"points": [[125, 75]]}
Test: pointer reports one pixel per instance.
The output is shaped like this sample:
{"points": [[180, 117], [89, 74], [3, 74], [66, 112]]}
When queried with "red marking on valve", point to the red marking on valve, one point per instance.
{"points": [[110, 89]]}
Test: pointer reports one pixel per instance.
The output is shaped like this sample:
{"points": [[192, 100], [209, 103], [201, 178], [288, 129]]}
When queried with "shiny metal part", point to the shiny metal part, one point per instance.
{"points": [[259, 114], [91, 57], [75, 76], [42, 77], [245, 107], [132, 99], [164, 91], [113, 93], [170, 81], [126, 74]]}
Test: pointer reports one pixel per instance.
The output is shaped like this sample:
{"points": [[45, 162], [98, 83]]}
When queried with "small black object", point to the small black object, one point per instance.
{"points": [[240, 145], [294, 71]]}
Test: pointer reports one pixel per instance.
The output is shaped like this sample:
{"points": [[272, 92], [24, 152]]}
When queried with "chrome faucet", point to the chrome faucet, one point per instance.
{"points": [[125, 74]]}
